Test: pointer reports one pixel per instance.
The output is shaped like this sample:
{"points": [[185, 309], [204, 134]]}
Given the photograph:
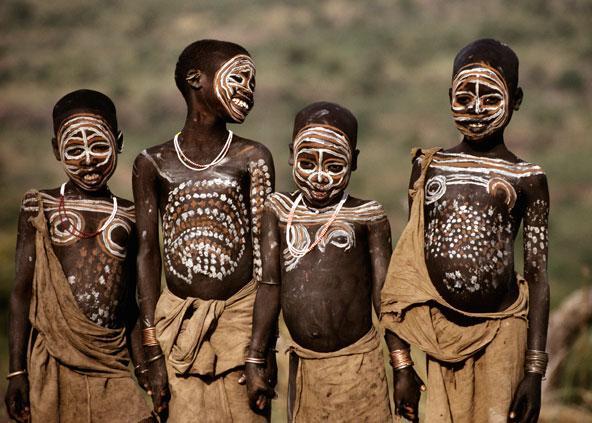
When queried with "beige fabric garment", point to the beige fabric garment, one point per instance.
{"points": [[205, 344], [77, 369], [412, 308], [347, 385]]}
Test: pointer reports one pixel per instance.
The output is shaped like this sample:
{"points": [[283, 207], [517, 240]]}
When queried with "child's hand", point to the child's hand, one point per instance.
{"points": [[259, 386], [407, 391], [17, 399], [159, 386], [526, 404]]}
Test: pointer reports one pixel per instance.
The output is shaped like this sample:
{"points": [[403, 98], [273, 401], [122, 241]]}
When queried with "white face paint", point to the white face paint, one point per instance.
{"points": [[480, 101], [322, 163], [87, 149], [234, 84]]}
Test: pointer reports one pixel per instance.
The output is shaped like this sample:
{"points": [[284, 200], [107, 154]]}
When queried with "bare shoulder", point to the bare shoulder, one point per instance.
{"points": [[154, 155], [365, 210], [253, 150]]}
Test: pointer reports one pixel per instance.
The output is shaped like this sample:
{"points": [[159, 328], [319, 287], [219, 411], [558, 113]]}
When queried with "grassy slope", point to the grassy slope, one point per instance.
{"points": [[387, 61]]}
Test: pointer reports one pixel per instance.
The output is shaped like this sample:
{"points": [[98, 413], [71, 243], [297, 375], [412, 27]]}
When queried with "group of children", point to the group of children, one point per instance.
{"points": [[87, 297]]}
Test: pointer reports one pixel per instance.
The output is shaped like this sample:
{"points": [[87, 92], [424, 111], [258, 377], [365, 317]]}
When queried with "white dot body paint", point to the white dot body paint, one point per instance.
{"points": [[322, 162], [479, 101], [234, 85], [87, 149]]}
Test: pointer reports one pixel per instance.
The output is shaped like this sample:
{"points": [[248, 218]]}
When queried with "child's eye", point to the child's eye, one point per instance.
{"points": [[237, 78], [335, 168], [463, 99], [306, 165], [75, 151], [100, 148], [491, 101]]}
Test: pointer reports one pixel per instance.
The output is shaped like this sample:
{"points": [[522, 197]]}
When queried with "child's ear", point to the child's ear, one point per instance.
{"points": [[354, 164], [193, 78], [518, 97], [119, 141], [291, 158], [56, 150]]}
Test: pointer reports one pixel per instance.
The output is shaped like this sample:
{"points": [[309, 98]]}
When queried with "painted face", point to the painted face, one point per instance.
{"points": [[322, 163], [234, 84], [480, 101], [87, 149]]}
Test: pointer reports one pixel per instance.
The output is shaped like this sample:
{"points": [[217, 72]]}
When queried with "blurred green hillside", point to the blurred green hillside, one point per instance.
{"points": [[388, 61]]}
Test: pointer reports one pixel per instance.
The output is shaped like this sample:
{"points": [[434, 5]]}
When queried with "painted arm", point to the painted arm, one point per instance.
{"points": [[144, 180], [527, 399], [19, 327], [407, 385], [133, 323], [262, 183], [265, 314]]}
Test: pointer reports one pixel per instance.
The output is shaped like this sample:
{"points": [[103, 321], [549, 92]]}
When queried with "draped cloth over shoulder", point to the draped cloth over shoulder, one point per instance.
{"points": [[77, 369], [347, 385], [412, 308], [205, 344]]}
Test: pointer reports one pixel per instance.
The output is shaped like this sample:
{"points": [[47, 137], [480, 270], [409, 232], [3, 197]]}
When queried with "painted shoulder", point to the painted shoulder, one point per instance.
{"points": [[355, 210], [254, 150]]}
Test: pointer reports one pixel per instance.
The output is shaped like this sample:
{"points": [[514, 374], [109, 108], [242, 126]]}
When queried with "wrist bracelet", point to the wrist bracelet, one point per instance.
{"points": [[14, 374], [401, 358], [153, 359], [536, 361], [255, 360], [149, 337]]}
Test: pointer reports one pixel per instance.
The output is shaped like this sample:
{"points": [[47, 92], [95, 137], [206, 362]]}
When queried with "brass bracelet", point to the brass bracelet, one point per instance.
{"points": [[400, 359], [149, 337], [536, 361], [153, 359], [14, 374], [255, 360]]}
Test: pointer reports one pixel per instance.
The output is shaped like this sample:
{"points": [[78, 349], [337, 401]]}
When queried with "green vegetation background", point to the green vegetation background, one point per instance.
{"points": [[388, 61]]}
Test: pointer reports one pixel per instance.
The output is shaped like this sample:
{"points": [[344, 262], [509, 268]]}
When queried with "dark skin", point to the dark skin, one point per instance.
{"points": [[203, 137], [327, 300], [498, 290], [84, 262]]}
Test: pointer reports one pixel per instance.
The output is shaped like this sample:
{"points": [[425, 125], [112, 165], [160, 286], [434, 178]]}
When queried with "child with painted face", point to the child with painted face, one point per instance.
{"points": [[208, 186], [73, 302], [452, 289], [325, 259]]}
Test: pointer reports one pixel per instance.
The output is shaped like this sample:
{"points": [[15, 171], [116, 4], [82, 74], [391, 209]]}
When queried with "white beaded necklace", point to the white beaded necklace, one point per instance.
{"points": [[190, 164], [301, 252]]}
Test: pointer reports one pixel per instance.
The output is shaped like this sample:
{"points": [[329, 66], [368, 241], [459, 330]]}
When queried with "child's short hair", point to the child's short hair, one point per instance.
{"points": [[492, 52], [326, 113], [84, 101]]}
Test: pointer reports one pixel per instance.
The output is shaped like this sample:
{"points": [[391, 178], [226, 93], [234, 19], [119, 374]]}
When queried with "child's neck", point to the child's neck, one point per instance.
{"points": [[202, 127], [73, 190], [491, 146]]}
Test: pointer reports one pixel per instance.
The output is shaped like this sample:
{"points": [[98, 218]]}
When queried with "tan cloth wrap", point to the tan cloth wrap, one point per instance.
{"points": [[347, 385], [411, 307], [77, 369], [203, 341]]}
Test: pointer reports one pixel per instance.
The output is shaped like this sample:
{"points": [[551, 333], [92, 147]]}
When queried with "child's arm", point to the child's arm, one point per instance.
{"points": [[19, 327], [133, 323], [265, 315], [379, 238], [527, 399], [144, 179], [407, 384], [262, 183]]}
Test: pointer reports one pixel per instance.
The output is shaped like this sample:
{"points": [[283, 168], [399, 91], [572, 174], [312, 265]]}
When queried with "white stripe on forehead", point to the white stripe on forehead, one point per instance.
{"points": [[96, 125], [486, 76], [325, 136]]}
